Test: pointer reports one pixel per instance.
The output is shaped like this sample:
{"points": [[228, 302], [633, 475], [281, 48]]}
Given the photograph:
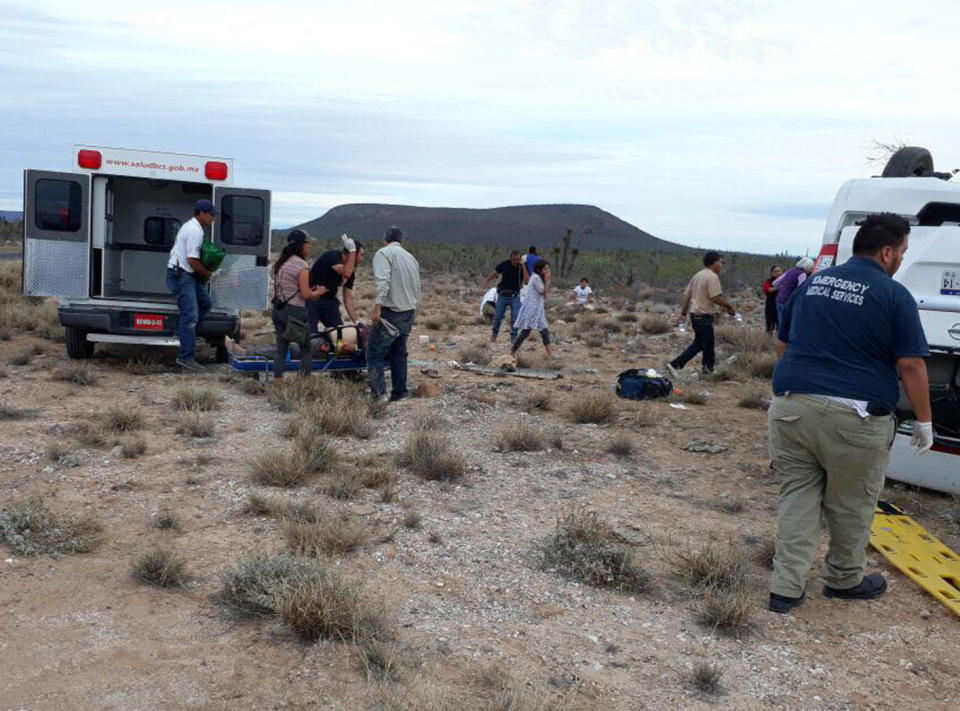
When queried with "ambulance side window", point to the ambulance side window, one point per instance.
{"points": [[160, 230], [242, 220], [57, 205]]}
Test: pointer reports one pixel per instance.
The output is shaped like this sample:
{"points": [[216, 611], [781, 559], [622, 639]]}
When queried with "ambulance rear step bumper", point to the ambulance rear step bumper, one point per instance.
{"points": [[134, 340]]}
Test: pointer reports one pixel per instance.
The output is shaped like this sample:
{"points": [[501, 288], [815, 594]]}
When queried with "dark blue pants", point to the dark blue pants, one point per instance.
{"points": [[702, 342], [503, 303], [325, 311], [383, 348], [194, 303]]}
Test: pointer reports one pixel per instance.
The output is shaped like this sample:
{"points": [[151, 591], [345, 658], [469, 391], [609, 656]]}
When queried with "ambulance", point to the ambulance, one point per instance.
{"points": [[97, 237], [930, 202]]}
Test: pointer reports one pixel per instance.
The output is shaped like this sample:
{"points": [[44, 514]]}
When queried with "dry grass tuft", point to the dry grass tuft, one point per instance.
{"points": [[755, 400], [520, 436], [726, 610], [275, 507], [160, 567], [132, 446], [431, 455], [343, 485], [196, 398], [29, 527], [75, 373], [335, 534], [412, 519], [166, 520], [765, 552], [705, 678], [700, 397], [196, 423], [718, 572], [539, 401], [655, 325], [253, 586], [595, 407], [325, 605], [646, 416], [252, 387], [9, 412], [122, 419], [584, 548], [620, 445], [284, 467], [762, 366]]}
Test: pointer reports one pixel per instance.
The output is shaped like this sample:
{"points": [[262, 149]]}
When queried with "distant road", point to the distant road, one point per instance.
{"points": [[10, 256]]}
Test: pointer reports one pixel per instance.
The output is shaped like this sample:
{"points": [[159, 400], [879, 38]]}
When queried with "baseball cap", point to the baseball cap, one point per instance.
{"points": [[298, 236], [204, 206]]}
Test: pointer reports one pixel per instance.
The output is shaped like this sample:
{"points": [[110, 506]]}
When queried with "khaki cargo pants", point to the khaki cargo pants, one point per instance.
{"points": [[830, 463]]}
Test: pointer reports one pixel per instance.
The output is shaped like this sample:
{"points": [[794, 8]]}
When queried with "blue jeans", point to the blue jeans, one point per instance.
{"points": [[503, 302], [383, 348], [781, 310], [702, 341], [194, 303]]}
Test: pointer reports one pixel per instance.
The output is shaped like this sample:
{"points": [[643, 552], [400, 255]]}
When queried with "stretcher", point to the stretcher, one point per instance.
{"points": [[917, 554], [321, 363]]}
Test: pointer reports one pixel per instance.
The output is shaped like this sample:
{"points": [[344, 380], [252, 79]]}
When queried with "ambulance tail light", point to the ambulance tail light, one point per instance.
{"points": [[827, 258], [215, 170], [90, 160]]}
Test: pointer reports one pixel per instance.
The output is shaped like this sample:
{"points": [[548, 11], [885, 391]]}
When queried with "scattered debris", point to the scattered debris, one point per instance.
{"points": [[700, 445]]}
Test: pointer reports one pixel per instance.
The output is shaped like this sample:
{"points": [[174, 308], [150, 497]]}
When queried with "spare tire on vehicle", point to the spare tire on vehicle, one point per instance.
{"points": [[909, 162]]}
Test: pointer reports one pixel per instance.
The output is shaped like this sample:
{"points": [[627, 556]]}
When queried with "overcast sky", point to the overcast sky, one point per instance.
{"points": [[707, 122]]}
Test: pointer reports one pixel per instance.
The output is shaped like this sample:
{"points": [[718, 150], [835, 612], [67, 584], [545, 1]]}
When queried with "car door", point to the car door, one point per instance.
{"points": [[242, 230], [56, 227]]}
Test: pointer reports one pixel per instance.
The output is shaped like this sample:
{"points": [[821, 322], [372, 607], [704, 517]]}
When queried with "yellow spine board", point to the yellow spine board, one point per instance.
{"points": [[918, 555]]}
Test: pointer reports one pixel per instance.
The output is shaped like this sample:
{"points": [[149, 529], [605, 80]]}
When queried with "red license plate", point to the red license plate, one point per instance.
{"points": [[148, 322]]}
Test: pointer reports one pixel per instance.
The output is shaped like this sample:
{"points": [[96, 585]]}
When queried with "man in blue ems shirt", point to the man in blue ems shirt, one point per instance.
{"points": [[846, 334]]}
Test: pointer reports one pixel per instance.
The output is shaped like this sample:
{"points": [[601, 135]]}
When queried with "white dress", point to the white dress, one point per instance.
{"points": [[532, 315]]}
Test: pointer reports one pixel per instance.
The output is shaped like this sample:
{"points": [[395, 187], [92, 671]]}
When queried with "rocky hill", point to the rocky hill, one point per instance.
{"points": [[520, 226]]}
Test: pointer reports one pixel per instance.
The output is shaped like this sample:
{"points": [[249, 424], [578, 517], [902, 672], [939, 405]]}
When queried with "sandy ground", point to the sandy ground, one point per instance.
{"points": [[464, 588]]}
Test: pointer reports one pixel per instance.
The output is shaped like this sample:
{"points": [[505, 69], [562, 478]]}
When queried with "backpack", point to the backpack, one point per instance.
{"points": [[634, 384]]}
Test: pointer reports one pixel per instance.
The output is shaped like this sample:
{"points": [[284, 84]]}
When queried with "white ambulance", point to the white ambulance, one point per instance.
{"points": [[931, 271], [97, 238]]}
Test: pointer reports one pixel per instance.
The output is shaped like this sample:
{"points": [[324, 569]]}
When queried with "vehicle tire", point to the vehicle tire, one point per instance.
{"points": [[223, 355], [77, 344], [909, 161]]}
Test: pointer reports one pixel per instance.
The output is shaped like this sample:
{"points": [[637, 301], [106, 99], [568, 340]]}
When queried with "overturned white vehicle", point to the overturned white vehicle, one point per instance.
{"points": [[910, 188]]}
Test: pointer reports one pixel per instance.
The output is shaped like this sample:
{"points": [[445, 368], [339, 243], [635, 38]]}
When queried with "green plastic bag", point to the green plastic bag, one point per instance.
{"points": [[211, 256]]}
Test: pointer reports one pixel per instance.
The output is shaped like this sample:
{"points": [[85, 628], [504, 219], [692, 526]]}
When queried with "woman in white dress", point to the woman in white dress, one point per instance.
{"points": [[532, 316]]}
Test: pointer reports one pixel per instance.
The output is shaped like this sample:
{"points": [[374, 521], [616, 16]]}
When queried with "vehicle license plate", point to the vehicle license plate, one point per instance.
{"points": [[148, 322], [950, 284]]}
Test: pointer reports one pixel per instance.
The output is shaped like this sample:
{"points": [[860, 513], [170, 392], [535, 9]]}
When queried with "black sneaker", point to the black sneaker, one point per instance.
{"points": [[783, 604], [871, 587], [394, 398]]}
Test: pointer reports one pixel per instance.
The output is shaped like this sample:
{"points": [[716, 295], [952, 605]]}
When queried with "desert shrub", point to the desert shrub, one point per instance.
{"points": [[744, 340], [325, 605], [595, 341], [10, 412], [765, 552], [540, 400], [611, 327], [595, 407], [122, 419], [520, 436], [166, 520], [412, 519], [132, 446], [717, 563], [755, 399], [284, 467], [655, 325], [21, 357], [343, 485], [475, 354], [275, 507], [762, 366], [75, 373], [253, 586], [160, 567], [341, 414], [196, 398], [690, 397], [330, 535], [583, 548], [726, 610], [628, 317], [378, 659], [196, 423], [296, 392], [431, 455], [145, 366], [252, 387], [29, 527], [705, 678], [434, 324], [620, 445]]}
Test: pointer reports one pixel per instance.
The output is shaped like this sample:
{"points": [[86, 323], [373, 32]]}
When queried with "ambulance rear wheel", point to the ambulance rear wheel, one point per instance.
{"points": [[909, 162], [77, 344]]}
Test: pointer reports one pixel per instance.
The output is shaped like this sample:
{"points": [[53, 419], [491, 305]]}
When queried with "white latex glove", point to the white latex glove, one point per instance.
{"points": [[738, 318], [922, 438], [348, 244]]}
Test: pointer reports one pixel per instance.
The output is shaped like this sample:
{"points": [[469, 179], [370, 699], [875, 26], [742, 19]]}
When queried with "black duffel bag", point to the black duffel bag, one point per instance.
{"points": [[635, 384]]}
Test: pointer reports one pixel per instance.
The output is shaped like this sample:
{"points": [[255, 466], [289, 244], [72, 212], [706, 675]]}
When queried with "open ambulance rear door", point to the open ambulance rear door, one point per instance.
{"points": [[242, 230]]}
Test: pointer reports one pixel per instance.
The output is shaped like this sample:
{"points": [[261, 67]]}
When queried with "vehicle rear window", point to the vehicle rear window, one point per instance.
{"points": [[935, 214], [160, 230], [242, 220], [57, 205]]}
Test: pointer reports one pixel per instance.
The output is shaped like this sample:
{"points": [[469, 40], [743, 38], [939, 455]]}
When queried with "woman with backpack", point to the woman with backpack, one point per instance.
{"points": [[770, 294], [532, 316], [291, 290]]}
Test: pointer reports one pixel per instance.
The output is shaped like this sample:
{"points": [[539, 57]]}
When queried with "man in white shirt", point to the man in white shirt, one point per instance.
{"points": [[183, 269]]}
